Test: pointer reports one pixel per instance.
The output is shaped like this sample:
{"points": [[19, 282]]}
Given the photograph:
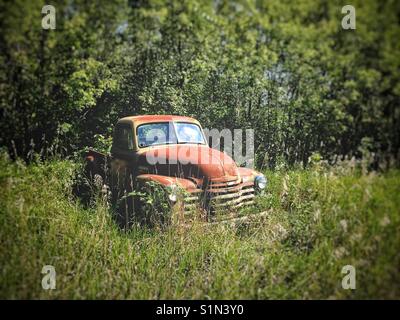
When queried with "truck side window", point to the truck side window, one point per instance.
{"points": [[123, 138]]}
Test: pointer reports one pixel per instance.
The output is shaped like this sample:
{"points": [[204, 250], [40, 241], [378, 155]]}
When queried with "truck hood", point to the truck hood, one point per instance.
{"points": [[188, 160]]}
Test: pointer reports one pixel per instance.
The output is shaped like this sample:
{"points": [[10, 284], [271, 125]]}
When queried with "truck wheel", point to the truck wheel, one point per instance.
{"points": [[125, 211], [125, 205], [152, 205]]}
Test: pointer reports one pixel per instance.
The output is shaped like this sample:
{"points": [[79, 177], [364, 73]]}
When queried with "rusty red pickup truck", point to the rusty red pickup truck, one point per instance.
{"points": [[173, 152]]}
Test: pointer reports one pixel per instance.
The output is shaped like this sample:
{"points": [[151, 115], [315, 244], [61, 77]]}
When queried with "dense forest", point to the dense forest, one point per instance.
{"points": [[284, 68]]}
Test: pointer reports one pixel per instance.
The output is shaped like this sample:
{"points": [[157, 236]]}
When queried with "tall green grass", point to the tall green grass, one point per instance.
{"points": [[318, 221]]}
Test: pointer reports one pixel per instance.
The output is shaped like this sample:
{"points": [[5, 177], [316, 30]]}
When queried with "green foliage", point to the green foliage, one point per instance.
{"points": [[154, 207], [317, 222], [286, 69], [102, 143]]}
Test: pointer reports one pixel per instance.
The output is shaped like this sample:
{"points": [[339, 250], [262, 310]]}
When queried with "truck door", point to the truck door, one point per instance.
{"points": [[123, 156]]}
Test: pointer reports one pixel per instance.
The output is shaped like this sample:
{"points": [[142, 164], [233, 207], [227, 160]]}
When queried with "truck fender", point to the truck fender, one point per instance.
{"points": [[166, 181]]}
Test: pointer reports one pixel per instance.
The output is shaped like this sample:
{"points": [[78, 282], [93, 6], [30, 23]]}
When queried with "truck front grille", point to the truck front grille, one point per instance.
{"points": [[231, 194], [222, 195]]}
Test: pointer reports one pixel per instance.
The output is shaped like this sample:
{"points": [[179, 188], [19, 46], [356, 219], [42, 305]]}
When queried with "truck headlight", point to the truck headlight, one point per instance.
{"points": [[260, 182], [172, 193]]}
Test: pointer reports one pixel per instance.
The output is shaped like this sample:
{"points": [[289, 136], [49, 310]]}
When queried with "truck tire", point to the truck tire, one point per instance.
{"points": [[125, 204]]}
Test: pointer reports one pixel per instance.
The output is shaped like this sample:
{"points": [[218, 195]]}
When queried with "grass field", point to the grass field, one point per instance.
{"points": [[318, 221]]}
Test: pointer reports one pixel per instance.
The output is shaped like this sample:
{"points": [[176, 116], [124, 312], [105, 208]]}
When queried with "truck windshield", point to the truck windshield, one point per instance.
{"points": [[160, 133], [188, 133]]}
